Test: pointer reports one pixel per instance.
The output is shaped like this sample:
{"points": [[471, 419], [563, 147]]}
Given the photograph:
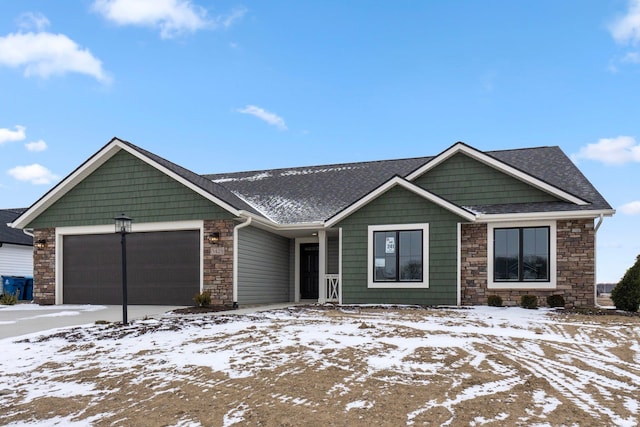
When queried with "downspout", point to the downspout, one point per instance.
{"points": [[27, 232], [235, 259], [595, 276]]}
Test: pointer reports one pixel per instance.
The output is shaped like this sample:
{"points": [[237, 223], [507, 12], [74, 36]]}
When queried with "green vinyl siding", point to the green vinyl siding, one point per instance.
{"points": [[400, 206], [465, 181], [127, 184]]}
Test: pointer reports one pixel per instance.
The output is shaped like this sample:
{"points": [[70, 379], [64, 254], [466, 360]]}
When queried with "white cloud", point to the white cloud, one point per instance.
{"points": [[45, 54], [271, 118], [31, 21], [611, 151], [7, 135], [39, 145], [35, 173], [172, 17], [632, 208], [626, 29]]}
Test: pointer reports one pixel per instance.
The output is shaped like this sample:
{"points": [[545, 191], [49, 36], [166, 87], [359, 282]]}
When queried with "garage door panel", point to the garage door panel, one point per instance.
{"points": [[162, 268]]}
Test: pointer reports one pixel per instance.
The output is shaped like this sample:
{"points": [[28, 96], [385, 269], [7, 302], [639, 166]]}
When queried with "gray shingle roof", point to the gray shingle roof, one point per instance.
{"points": [[316, 193], [12, 235]]}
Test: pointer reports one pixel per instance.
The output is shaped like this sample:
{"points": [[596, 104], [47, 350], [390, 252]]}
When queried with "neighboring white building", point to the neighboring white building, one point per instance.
{"points": [[16, 247]]}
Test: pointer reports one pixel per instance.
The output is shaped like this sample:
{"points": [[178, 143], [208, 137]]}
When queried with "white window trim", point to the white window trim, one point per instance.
{"points": [[425, 257], [553, 256]]}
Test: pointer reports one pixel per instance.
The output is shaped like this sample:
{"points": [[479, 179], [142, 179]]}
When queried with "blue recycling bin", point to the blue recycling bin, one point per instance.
{"points": [[28, 289], [13, 285]]}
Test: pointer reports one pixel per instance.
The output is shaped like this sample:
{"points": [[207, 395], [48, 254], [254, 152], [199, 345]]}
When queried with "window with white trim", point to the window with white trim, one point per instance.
{"points": [[398, 256], [521, 255]]}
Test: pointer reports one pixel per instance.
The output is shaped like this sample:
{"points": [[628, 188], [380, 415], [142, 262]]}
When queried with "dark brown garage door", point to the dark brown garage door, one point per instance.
{"points": [[163, 268]]}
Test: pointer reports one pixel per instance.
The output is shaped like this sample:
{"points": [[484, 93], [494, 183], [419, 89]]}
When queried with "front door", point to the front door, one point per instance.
{"points": [[309, 270]]}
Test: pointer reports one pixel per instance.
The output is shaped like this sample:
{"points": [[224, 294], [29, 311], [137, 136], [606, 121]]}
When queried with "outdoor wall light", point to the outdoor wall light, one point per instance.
{"points": [[41, 244], [214, 238]]}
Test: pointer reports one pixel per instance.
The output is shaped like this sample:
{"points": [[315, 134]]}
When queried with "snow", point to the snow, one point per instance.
{"points": [[586, 372]]}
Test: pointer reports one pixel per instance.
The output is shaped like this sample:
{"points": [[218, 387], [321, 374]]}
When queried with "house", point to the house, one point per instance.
{"points": [[16, 247], [451, 229]]}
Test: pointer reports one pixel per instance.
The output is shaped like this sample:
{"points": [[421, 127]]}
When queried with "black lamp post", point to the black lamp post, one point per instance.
{"points": [[123, 226]]}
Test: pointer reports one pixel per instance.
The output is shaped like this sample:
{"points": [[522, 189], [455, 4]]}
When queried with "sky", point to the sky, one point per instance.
{"points": [[224, 86]]}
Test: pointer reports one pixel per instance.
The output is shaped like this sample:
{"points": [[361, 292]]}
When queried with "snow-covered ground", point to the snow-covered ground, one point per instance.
{"points": [[320, 366]]}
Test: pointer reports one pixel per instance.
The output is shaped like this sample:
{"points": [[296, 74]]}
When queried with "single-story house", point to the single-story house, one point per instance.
{"points": [[16, 247], [450, 229]]}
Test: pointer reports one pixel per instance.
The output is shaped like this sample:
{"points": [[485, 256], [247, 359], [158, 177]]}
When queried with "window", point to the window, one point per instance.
{"points": [[398, 256], [522, 255]]}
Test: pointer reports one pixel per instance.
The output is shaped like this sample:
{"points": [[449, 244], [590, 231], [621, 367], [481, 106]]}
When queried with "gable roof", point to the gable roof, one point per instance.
{"points": [[302, 196], [502, 166], [11, 235], [210, 190], [397, 181], [317, 193]]}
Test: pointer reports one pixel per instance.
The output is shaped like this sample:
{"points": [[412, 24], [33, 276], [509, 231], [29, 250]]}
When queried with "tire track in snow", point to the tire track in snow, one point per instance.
{"points": [[569, 380]]}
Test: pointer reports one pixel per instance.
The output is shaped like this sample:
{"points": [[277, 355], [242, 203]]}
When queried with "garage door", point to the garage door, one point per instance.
{"points": [[163, 268]]}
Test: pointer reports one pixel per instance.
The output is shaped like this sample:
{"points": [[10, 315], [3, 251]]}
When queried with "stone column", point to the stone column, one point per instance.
{"points": [[218, 262], [44, 267]]}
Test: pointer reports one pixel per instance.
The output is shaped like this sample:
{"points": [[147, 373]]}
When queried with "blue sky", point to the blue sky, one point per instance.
{"points": [[221, 86]]}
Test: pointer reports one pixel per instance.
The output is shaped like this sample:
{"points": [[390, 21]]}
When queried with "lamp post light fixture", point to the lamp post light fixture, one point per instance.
{"points": [[123, 226]]}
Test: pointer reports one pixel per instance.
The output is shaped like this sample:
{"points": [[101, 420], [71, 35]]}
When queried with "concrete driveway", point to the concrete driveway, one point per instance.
{"points": [[22, 319]]}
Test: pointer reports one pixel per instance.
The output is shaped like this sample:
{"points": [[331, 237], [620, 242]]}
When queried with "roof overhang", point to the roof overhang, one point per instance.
{"points": [[91, 165], [398, 181], [461, 147], [551, 215]]}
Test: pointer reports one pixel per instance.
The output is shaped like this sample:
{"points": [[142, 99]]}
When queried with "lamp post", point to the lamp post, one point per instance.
{"points": [[123, 226]]}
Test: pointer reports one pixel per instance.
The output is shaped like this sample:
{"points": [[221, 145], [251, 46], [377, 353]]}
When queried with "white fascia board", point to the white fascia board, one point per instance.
{"points": [[464, 213], [270, 224], [499, 165], [143, 227], [92, 165], [67, 184], [536, 216]]}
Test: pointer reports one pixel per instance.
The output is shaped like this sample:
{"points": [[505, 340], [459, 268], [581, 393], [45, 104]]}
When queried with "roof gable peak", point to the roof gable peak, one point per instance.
{"points": [[489, 160]]}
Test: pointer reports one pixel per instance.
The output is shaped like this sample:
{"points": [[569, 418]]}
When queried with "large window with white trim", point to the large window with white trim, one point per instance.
{"points": [[522, 255], [398, 256]]}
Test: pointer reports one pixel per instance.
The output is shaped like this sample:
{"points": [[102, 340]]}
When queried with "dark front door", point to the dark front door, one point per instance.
{"points": [[309, 270]]}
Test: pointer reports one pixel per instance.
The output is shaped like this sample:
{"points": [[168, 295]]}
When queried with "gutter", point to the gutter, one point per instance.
{"points": [[595, 276], [235, 259]]}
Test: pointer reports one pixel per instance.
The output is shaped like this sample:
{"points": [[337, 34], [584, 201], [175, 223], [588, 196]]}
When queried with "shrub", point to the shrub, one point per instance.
{"points": [[9, 299], [626, 294], [494, 301], [203, 299], [529, 301], [555, 301]]}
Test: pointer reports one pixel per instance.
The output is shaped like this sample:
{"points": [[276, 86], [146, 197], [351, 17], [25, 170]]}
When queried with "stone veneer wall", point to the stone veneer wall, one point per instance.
{"points": [[575, 266], [44, 267], [218, 262]]}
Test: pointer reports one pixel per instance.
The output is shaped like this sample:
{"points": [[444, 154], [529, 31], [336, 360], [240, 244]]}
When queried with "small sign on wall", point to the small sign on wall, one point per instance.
{"points": [[217, 250], [390, 246]]}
